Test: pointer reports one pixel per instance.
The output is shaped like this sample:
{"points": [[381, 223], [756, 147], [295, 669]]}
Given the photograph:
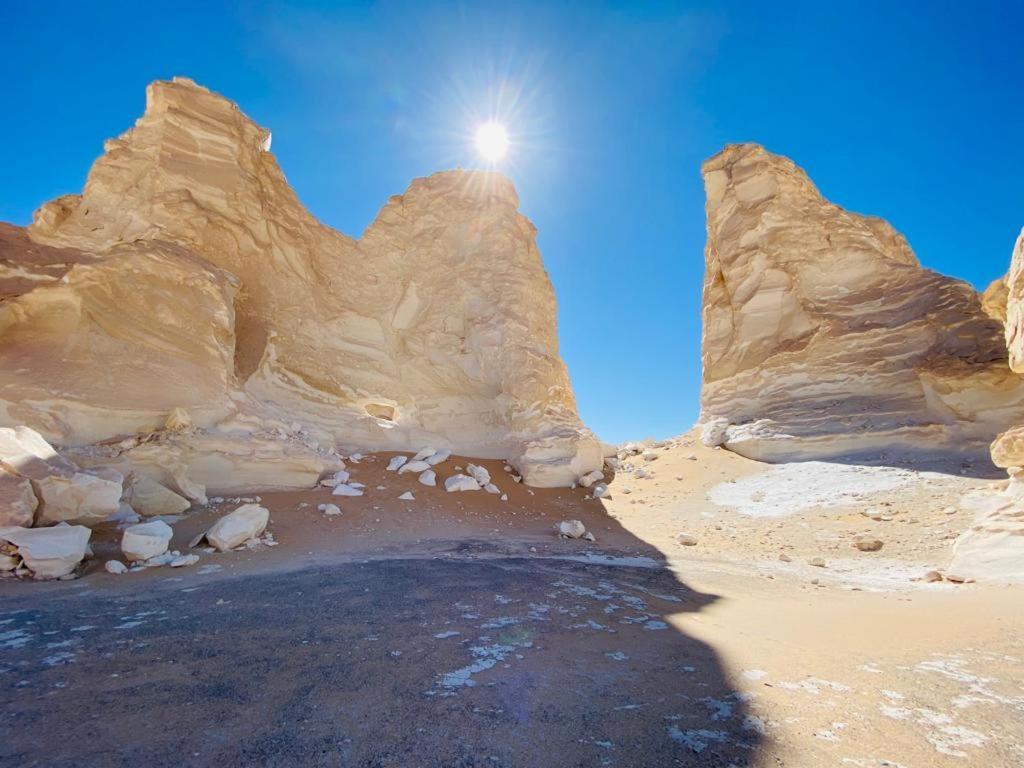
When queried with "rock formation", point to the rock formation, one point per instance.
{"points": [[994, 545], [188, 277], [824, 337]]}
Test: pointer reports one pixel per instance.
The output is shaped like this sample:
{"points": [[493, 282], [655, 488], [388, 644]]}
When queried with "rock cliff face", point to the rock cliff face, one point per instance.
{"points": [[187, 274], [994, 546], [823, 336]]}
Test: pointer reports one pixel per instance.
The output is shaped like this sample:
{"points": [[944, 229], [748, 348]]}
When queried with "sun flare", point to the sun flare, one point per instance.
{"points": [[492, 141]]}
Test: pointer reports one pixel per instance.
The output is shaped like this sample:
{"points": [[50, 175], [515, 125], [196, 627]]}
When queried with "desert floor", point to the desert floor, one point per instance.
{"points": [[458, 630]]}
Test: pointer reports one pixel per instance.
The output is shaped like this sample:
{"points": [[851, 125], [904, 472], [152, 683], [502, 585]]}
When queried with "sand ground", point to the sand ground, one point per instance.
{"points": [[333, 647]]}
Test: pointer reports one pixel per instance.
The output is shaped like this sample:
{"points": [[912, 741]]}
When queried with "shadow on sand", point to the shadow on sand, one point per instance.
{"points": [[470, 653]]}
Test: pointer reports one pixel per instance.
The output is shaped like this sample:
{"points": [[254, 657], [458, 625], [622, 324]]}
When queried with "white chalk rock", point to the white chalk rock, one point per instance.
{"points": [[150, 499], [246, 522], [414, 466], [396, 462], [492, 488], [182, 561], [713, 433], [115, 567], [329, 509], [341, 489], [424, 453], [479, 474], [461, 483], [341, 476], [49, 552], [436, 458], [591, 477], [407, 496], [146, 540], [600, 491], [571, 529], [428, 478]]}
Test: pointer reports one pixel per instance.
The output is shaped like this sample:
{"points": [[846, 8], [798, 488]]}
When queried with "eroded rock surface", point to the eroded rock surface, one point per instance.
{"points": [[824, 337], [436, 327], [993, 548]]}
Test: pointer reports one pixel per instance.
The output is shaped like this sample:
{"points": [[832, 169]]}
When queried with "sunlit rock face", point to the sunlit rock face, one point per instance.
{"points": [[436, 327], [824, 337], [993, 547]]}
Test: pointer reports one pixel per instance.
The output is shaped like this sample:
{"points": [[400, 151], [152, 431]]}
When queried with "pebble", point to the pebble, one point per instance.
{"points": [[686, 540], [818, 562], [868, 544]]}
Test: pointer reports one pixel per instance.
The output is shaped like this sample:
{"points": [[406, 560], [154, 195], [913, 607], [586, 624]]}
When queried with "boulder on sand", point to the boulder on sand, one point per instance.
{"points": [[146, 540], [49, 552], [246, 522]]}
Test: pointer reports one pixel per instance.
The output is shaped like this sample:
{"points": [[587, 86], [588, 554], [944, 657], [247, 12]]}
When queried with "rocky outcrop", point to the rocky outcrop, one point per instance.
{"points": [[993, 548], [187, 274], [824, 337]]}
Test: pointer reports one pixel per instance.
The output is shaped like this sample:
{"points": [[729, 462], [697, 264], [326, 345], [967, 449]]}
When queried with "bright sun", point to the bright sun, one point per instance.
{"points": [[491, 141]]}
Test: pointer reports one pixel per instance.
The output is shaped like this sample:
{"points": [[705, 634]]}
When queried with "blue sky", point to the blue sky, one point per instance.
{"points": [[910, 111]]}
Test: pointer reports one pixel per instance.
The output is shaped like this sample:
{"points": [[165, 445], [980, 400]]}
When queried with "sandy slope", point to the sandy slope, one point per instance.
{"points": [[857, 663]]}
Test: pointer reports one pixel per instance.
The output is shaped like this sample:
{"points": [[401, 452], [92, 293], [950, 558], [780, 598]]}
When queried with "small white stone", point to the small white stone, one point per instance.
{"points": [[329, 509], [146, 540], [346, 490], [480, 474], [407, 496], [424, 453], [396, 462], [246, 522], [600, 490], [591, 477], [414, 466], [184, 560], [492, 488], [504, 497], [461, 483], [436, 458], [428, 478], [116, 567]]}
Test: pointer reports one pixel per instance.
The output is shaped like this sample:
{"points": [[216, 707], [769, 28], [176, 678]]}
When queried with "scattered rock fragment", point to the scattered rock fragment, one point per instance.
{"points": [[146, 540], [461, 483], [933, 576], [414, 466], [347, 489], [246, 522], [686, 540], [428, 478], [817, 562], [480, 474], [424, 453], [182, 561], [571, 529], [150, 499], [49, 553], [396, 463], [407, 496], [438, 457], [329, 509], [591, 477], [115, 567]]}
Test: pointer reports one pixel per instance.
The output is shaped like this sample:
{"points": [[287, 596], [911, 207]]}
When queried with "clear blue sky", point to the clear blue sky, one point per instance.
{"points": [[910, 111]]}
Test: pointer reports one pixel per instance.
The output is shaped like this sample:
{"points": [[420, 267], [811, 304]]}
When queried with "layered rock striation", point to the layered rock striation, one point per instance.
{"points": [[187, 275], [823, 335]]}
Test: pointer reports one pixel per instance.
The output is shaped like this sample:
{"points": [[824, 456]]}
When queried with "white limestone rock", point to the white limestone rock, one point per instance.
{"points": [[150, 499], [481, 475], [590, 478], [345, 489], [407, 496], [115, 567], [438, 457], [414, 466], [49, 552], [246, 522], [461, 483], [396, 462], [823, 336], [424, 453], [444, 303], [428, 478], [146, 540], [331, 510]]}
